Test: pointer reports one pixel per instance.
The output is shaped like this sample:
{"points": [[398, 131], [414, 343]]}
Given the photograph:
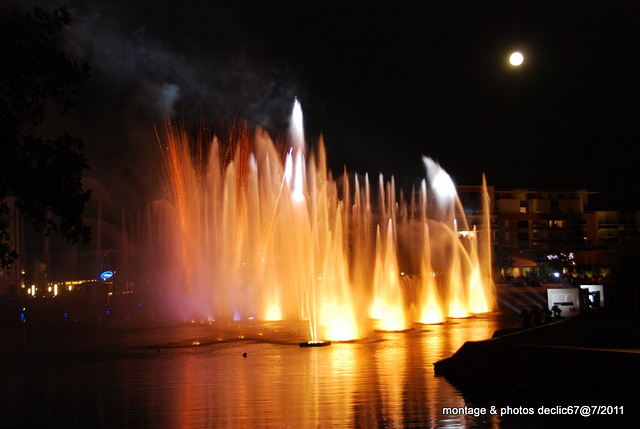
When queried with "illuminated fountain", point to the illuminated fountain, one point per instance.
{"points": [[259, 234]]}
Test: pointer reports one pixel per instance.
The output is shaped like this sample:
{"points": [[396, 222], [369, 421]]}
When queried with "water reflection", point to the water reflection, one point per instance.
{"points": [[391, 370], [135, 378]]}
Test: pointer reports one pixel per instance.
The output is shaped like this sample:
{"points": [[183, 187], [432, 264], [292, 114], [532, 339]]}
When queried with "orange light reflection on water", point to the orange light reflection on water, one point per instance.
{"points": [[250, 374]]}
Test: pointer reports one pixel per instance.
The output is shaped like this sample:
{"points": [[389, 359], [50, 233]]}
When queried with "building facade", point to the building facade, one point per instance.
{"points": [[533, 227], [530, 222]]}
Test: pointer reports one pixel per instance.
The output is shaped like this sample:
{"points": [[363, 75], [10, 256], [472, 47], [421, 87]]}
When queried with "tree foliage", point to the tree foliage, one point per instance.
{"points": [[43, 174]]}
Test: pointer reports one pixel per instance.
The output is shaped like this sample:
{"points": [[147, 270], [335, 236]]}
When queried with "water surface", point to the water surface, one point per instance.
{"points": [[195, 375]]}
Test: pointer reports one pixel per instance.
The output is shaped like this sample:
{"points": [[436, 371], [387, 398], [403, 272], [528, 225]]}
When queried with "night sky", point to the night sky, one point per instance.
{"points": [[385, 82]]}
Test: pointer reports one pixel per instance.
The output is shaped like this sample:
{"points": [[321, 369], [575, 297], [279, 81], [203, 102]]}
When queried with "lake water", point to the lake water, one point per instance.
{"points": [[195, 376]]}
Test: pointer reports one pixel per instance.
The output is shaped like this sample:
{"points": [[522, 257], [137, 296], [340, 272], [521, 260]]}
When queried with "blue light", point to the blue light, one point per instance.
{"points": [[106, 275]]}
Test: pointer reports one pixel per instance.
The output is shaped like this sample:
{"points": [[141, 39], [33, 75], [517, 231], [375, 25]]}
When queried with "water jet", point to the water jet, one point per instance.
{"points": [[252, 232]]}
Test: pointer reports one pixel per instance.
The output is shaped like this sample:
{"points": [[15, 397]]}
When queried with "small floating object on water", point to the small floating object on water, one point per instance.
{"points": [[319, 343]]}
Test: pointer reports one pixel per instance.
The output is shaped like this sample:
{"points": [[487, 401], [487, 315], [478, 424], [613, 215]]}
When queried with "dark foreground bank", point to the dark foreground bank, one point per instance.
{"points": [[559, 368]]}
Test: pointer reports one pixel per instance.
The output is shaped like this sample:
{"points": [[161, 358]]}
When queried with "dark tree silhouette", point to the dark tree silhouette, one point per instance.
{"points": [[43, 174]]}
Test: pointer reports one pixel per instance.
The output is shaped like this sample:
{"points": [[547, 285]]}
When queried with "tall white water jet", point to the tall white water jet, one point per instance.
{"points": [[445, 197], [467, 276], [263, 233]]}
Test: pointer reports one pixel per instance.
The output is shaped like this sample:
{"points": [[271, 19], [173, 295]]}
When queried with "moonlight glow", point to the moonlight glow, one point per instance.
{"points": [[516, 59]]}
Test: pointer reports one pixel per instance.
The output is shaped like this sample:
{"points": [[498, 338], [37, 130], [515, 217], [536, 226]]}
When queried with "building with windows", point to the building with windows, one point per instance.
{"points": [[530, 222], [533, 227], [609, 227]]}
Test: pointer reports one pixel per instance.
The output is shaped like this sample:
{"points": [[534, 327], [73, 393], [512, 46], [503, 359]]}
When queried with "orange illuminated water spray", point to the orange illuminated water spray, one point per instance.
{"points": [[267, 236]]}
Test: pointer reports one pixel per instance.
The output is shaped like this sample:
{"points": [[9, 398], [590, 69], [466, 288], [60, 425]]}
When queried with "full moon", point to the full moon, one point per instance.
{"points": [[516, 59]]}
